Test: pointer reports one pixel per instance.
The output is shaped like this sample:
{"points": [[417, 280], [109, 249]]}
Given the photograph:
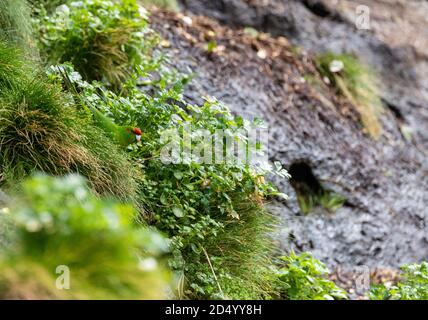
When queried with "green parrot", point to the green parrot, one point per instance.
{"points": [[124, 135]]}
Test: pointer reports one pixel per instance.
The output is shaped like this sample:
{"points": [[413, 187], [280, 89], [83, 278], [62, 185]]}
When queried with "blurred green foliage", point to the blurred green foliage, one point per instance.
{"points": [[413, 285], [302, 277], [59, 222]]}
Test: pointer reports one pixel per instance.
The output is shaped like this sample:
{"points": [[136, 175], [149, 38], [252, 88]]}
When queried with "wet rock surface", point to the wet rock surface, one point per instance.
{"points": [[396, 45], [385, 182]]}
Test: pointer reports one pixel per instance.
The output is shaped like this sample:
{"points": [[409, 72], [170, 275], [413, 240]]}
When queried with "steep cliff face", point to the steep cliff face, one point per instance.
{"points": [[313, 132], [396, 44]]}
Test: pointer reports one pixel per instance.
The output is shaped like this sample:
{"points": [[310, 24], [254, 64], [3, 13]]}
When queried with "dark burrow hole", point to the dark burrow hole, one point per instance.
{"points": [[395, 110], [321, 10], [399, 117], [303, 179], [310, 192]]}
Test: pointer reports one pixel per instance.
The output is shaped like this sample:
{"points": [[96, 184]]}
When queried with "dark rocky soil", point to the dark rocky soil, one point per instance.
{"points": [[385, 182], [396, 45]]}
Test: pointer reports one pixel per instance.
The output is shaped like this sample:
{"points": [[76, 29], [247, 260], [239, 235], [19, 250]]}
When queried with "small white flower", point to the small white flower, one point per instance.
{"points": [[336, 66]]}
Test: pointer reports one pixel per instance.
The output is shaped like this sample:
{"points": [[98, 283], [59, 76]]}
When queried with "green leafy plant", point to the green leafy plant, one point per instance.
{"points": [[59, 222], [49, 5], [357, 83], [103, 39], [208, 210], [302, 277], [413, 286], [213, 213]]}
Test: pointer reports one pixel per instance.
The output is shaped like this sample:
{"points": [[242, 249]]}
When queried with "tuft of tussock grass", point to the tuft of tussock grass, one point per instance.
{"points": [[358, 84], [12, 67], [15, 24], [326, 199], [242, 253], [165, 4], [40, 130], [106, 56]]}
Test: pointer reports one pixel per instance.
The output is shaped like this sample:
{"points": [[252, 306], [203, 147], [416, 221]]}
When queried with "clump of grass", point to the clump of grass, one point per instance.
{"points": [[41, 130], [103, 39], [12, 67], [242, 253], [357, 83], [15, 25], [235, 263], [310, 192], [59, 222], [166, 4], [326, 199]]}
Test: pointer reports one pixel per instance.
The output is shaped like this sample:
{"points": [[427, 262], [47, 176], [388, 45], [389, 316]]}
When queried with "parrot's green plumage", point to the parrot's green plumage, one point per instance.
{"points": [[124, 135]]}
